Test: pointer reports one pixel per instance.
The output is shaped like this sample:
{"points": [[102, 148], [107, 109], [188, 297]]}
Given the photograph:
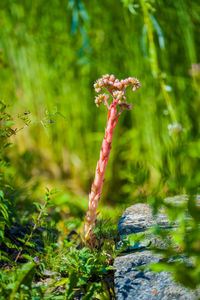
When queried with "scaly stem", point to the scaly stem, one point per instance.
{"points": [[97, 185]]}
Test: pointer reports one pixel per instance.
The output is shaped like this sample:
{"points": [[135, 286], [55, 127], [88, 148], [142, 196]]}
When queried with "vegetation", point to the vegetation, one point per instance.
{"points": [[51, 132], [117, 91]]}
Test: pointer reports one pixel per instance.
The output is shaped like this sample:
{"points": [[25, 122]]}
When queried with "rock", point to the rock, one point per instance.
{"points": [[48, 273], [180, 200], [138, 218], [134, 284]]}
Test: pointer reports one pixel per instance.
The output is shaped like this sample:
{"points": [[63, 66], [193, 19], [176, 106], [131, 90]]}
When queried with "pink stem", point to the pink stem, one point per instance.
{"points": [[97, 185], [117, 117], [106, 103]]}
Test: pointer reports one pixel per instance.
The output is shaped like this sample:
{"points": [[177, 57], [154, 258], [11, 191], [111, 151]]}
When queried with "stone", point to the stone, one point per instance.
{"points": [[138, 218], [132, 283]]}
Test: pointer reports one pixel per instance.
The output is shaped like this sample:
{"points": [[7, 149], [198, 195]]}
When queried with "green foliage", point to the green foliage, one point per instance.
{"points": [[82, 266], [4, 217], [48, 65], [81, 269], [6, 132], [181, 254], [39, 221], [57, 77], [17, 284]]}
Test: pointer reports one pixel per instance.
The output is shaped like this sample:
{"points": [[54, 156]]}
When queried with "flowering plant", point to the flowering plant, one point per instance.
{"points": [[116, 90]]}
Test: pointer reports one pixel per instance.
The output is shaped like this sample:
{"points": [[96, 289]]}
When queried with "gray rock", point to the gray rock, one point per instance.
{"points": [[132, 283], [180, 200], [48, 273], [138, 218]]}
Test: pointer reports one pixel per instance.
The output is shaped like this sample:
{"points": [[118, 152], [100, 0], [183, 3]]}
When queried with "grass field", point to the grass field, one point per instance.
{"points": [[51, 53]]}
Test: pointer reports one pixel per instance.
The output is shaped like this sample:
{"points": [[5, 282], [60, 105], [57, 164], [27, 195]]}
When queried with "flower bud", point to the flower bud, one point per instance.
{"points": [[119, 85], [106, 76], [101, 98], [112, 78], [119, 95]]}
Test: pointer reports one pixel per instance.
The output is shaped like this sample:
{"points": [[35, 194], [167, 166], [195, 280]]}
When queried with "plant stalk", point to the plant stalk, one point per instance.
{"points": [[97, 185]]}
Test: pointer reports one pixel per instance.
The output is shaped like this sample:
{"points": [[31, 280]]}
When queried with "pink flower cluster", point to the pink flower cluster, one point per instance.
{"points": [[109, 82], [101, 98], [116, 89]]}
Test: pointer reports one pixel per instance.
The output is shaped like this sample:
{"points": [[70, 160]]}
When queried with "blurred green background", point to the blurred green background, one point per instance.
{"points": [[51, 53]]}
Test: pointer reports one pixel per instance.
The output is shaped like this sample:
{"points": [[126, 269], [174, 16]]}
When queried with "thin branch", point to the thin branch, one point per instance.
{"points": [[117, 117], [106, 103], [31, 234]]}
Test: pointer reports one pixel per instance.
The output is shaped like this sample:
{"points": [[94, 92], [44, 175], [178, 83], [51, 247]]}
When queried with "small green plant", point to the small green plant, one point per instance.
{"points": [[16, 284], [4, 216], [38, 221], [6, 131], [85, 270]]}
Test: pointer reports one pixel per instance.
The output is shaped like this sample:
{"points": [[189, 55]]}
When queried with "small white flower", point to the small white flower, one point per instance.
{"points": [[168, 88], [174, 128]]}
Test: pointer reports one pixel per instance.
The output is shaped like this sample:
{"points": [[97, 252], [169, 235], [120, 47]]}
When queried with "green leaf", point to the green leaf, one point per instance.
{"points": [[21, 240], [4, 256], [83, 12], [92, 290], [42, 266], [28, 257], [10, 123], [1, 194], [75, 18], [24, 276], [62, 281], [38, 205], [73, 281], [7, 145], [4, 211], [160, 267], [159, 32], [9, 244]]}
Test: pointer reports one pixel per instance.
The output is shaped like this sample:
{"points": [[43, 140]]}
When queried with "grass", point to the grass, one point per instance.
{"points": [[50, 56]]}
